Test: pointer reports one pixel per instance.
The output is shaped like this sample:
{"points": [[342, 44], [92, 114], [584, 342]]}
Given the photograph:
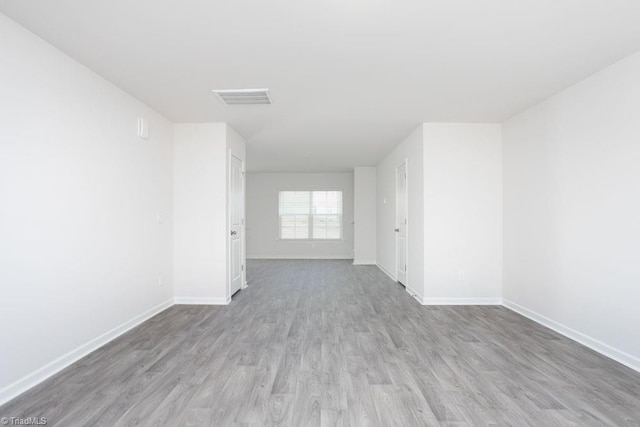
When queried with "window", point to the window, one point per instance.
{"points": [[311, 214]]}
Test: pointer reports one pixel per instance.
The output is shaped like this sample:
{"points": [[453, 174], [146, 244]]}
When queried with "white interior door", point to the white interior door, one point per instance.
{"points": [[236, 223], [401, 223]]}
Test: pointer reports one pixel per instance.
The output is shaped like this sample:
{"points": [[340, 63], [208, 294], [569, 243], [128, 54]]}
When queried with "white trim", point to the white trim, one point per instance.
{"points": [[462, 301], [594, 344], [414, 294], [31, 380], [299, 257], [364, 262], [292, 239], [384, 270], [202, 301]]}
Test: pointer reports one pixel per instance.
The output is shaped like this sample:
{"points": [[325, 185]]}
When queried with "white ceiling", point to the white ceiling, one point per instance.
{"points": [[349, 78]]}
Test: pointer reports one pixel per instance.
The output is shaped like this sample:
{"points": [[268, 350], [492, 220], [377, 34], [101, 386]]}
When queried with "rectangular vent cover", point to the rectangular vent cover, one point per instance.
{"points": [[244, 96]]}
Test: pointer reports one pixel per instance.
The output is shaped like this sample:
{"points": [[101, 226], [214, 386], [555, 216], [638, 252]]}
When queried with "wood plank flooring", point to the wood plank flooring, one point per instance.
{"points": [[326, 343]]}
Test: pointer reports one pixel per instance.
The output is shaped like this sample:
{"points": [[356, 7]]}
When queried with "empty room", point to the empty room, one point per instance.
{"points": [[330, 213]]}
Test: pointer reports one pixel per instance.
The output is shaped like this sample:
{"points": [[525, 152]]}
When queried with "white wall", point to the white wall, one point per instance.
{"points": [[262, 219], [410, 150], [364, 233], [200, 216], [572, 211], [462, 213], [80, 248]]}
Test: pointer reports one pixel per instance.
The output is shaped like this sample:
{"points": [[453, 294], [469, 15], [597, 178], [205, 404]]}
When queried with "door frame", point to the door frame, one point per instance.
{"points": [[243, 279], [404, 162]]}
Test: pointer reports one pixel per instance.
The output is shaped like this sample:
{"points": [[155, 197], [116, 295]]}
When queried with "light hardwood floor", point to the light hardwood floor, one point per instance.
{"points": [[328, 343]]}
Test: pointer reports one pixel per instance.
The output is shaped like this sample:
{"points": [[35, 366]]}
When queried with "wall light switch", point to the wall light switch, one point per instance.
{"points": [[160, 218], [143, 128]]}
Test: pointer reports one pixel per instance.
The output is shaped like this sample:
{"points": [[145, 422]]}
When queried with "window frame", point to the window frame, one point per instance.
{"points": [[311, 215]]}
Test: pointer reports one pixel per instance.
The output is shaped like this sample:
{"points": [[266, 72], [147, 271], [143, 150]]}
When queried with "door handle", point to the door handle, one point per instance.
{"points": [[397, 230], [233, 233]]}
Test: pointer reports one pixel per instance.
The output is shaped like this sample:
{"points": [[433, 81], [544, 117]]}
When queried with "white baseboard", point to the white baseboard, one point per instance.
{"points": [[462, 301], [25, 383], [298, 256], [363, 262], [594, 344], [414, 294], [384, 270], [202, 301]]}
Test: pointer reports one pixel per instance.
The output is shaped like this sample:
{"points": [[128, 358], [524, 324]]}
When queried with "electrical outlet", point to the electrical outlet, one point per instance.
{"points": [[461, 276], [160, 283]]}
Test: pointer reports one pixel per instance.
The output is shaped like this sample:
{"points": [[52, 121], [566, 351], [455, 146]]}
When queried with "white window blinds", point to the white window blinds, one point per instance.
{"points": [[311, 214]]}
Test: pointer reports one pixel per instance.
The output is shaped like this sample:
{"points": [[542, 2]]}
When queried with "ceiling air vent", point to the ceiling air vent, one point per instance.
{"points": [[244, 96]]}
